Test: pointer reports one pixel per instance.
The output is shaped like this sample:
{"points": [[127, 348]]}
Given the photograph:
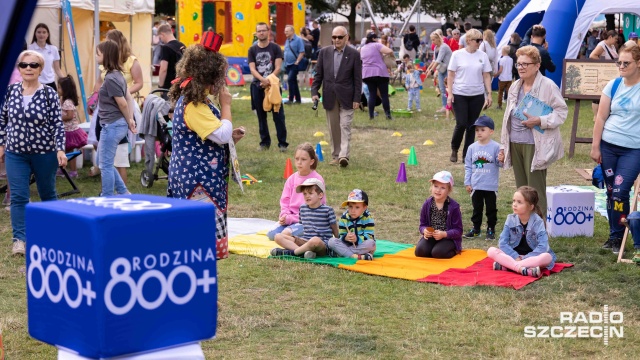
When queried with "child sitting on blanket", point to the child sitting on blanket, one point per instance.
{"points": [[524, 244], [318, 222], [356, 226], [306, 162], [440, 221]]}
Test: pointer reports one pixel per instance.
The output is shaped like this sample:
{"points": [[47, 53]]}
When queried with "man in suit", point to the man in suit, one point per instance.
{"points": [[339, 72]]}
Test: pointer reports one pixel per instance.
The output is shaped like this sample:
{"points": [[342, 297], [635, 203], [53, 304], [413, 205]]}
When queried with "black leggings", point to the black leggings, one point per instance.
{"points": [[437, 249], [467, 110], [374, 83]]}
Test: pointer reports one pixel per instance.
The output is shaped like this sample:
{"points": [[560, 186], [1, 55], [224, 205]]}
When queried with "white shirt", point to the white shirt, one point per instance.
{"points": [[506, 62], [469, 68], [50, 54], [491, 53], [463, 41]]}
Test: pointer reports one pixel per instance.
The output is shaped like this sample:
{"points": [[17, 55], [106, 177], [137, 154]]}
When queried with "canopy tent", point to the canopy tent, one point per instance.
{"points": [[566, 22], [133, 17]]}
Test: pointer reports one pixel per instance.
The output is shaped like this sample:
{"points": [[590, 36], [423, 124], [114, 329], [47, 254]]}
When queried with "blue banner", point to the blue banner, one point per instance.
{"points": [[68, 21]]}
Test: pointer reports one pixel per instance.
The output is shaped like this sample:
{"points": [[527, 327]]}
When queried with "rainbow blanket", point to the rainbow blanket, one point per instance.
{"points": [[397, 260]]}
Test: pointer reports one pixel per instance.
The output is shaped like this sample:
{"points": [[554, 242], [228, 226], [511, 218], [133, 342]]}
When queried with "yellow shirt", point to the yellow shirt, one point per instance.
{"points": [[200, 119], [126, 70]]}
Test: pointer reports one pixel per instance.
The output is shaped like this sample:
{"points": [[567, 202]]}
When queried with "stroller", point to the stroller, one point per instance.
{"points": [[156, 126]]}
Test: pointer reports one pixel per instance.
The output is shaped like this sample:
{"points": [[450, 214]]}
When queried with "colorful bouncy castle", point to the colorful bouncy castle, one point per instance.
{"points": [[236, 21]]}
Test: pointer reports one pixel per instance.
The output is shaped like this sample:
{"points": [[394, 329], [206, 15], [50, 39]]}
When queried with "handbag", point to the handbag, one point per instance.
{"points": [[390, 61], [302, 65]]}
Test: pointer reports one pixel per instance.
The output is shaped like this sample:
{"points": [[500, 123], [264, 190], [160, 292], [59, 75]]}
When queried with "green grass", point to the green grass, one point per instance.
{"points": [[277, 309]]}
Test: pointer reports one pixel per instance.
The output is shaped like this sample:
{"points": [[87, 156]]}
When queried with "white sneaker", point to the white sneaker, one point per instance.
{"points": [[19, 247], [419, 110]]}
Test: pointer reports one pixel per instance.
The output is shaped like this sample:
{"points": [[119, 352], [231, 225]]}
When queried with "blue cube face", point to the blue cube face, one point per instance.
{"points": [[133, 273]]}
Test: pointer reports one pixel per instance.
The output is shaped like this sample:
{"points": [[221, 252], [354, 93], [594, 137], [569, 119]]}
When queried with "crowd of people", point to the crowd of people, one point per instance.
{"points": [[463, 67]]}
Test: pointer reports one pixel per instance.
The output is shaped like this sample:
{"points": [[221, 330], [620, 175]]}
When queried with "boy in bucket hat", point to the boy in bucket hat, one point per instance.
{"points": [[318, 222], [481, 177], [356, 229]]}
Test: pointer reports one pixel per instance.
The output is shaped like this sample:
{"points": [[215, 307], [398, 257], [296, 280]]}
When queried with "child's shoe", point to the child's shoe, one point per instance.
{"points": [[7, 200], [309, 255], [636, 257], [497, 266], [367, 257], [533, 272], [282, 252], [491, 234], [471, 234], [59, 173], [73, 174], [419, 110]]}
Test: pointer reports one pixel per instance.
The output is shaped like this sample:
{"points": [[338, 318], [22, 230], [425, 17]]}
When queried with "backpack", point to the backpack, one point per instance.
{"points": [[407, 43]]}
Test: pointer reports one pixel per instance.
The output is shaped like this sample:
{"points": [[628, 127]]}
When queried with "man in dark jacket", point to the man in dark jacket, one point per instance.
{"points": [[536, 36], [411, 40]]}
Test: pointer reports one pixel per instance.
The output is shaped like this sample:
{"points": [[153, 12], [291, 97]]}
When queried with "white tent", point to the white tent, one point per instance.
{"points": [[133, 17]]}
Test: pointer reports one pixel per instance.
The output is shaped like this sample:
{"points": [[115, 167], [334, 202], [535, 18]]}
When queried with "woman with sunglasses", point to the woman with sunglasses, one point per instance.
{"points": [[531, 146], [469, 83], [31, 140], [42, 44], [616, 142]]}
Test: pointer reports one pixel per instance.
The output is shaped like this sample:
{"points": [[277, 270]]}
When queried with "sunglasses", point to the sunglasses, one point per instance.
{"points": [[477, 40], [338, 37], [33, 65], [623, 64]]}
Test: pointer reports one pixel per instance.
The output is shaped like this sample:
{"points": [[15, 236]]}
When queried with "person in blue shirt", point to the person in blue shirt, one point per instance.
{"points": [[524, 242], [481, 177], [293, 55]]}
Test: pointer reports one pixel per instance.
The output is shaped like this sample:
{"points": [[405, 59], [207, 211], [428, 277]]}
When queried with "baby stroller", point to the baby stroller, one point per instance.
{"points": [[155, 126]]}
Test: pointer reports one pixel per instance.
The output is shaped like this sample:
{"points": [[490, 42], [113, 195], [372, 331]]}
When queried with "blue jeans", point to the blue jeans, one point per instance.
{"points": [[296, 230], [443, 89], [110, 137], [19, 170], [292, 81], [621, 167]]}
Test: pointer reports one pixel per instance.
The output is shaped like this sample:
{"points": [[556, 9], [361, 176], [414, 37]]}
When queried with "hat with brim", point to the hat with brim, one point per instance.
{"points": [[310, 182], [356, 196], [444, 177]]}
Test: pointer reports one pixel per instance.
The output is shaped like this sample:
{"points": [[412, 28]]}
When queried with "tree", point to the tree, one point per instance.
{"points": [[389, 8], [166, 7], [478, 9], [573, 79]]}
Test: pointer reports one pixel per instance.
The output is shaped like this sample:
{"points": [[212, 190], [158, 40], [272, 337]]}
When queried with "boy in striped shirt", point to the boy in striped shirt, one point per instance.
{"points": [[318, 222], [356, 226]]}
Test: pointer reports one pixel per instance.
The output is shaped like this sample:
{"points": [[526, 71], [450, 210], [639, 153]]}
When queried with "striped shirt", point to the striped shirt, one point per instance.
{"points": [[362, 226], [317, 222]]}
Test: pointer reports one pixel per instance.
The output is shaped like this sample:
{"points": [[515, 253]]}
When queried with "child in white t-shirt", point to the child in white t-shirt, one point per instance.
{"points": [[504, 73]]}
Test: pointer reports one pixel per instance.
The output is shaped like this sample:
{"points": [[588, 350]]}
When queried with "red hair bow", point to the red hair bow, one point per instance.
{"points": [[184, 82]]}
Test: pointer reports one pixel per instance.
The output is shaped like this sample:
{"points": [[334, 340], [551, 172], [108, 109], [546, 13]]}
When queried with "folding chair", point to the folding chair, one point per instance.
{"points": [[74, 188], [633, 207]]}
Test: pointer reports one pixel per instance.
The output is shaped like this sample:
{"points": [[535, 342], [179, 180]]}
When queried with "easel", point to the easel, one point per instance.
{"points": [[633, 207], [584, 80]]}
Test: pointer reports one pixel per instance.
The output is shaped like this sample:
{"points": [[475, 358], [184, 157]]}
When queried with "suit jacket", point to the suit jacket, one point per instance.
{"points": [[346, 86]]}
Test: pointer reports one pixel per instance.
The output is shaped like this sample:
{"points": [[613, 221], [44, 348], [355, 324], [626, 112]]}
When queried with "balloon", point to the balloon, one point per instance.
{"points": [[196, 37], [239, 38], [299, 6], [195, 16], [258, 5], [182, 29], [239, 16]]}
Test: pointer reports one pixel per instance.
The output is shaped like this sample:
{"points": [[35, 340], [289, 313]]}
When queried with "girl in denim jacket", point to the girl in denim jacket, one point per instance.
{"points": [[524, 244]]}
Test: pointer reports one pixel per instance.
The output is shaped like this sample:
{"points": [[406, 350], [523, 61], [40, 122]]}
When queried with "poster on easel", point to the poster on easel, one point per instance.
{"points": [[68, 21]]}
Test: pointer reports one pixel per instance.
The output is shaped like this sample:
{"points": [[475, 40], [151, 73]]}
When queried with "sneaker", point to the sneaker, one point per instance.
{"points": [[263, 148], [334, 162], [419, 110], [636, 257], [607, 244], [309, 255], [282, 148], [344, 162], [389, 117], [615, 245], [471, 234], [532, 271], [491, 235], [282, 252], [19, 247], [454, 156], [498, 267], [73, 174], [94, 171], [367, 257], [59, 173], [7, 200]]}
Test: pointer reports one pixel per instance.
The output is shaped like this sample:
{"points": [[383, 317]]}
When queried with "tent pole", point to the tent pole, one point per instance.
{"points": [[406, 21], [366, 2], [96, 31], [361, 21]]}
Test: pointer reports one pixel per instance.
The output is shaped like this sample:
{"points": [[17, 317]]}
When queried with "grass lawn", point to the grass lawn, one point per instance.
{"points": [[278, 309]]}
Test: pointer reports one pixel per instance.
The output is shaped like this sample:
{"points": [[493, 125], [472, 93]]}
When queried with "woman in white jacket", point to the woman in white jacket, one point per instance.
{"points": [[531, 146]]}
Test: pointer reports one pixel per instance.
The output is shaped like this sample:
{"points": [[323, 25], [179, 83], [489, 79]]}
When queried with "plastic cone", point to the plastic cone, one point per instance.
{"points": [[428, 143], [288, 169], [402, 174], [319, 152], [324, 143], [405, 152], [318, 134], [397, 134], [413, 159]]}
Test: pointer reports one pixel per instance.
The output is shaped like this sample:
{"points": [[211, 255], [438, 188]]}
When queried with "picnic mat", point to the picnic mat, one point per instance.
{"points": [[397, 260]]}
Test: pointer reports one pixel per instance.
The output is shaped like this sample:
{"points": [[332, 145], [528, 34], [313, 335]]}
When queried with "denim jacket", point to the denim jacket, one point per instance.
{"points": [[537, 237]]}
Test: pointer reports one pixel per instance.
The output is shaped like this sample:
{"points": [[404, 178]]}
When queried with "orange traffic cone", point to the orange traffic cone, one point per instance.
{"points": [[288, 169]]}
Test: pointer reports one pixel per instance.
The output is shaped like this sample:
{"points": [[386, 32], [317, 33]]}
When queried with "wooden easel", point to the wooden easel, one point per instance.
{"points": [[634, 207]]}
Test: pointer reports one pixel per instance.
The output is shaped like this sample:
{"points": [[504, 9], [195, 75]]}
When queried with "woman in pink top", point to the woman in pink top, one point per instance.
{"points": [[306, 162], [375, 73]]}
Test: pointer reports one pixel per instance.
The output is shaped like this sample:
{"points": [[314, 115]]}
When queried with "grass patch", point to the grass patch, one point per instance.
{"points": [[280, 309]]}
